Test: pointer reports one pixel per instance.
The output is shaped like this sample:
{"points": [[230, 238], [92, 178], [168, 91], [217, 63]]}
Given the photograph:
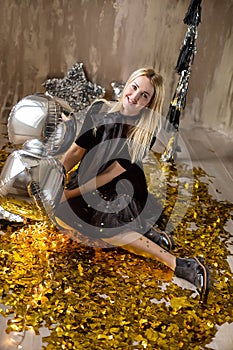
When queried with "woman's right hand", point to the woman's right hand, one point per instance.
{"points": [[67, 194], [64, 196]]}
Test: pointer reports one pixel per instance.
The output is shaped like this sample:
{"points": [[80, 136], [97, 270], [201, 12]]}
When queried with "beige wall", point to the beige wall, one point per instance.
{"points": [[42, 39]]}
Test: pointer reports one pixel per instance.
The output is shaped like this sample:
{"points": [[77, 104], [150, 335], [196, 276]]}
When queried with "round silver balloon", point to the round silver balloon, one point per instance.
{"points": [[31, 186], [45, 118]]}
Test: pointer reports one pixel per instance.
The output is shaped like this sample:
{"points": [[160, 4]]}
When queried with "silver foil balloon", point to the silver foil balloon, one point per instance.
{"points": [[44, 118], [117, 90], [6, 215], [30, 185]]}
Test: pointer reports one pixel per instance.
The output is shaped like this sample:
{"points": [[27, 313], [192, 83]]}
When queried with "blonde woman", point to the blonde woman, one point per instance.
{"points": [[107, 195]]}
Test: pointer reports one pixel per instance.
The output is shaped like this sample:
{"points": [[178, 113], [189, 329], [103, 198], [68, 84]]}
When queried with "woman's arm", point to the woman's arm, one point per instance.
{"points": [[74, 154], [114, 170]]}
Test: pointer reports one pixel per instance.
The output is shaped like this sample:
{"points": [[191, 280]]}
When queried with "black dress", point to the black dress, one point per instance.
{"points": [[124, 204]]}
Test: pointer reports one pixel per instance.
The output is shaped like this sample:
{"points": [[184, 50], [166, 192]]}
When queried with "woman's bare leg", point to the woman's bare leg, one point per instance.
{"points": [[190, 269], [136, 243]]}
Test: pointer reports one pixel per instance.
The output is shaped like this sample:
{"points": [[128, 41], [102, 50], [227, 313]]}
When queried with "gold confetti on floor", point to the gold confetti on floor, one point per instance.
{"points": [[92, 298]]}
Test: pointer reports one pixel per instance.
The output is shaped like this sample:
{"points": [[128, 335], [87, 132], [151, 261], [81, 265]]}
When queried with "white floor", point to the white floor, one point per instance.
{"points": [[213, 152]]}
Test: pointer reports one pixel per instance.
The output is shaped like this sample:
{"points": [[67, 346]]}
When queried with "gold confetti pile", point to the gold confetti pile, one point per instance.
{"points": [[92, 298]]}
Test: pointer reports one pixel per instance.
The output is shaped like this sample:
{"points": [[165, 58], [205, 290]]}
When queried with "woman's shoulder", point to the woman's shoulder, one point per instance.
{"points": [[100, 113], [95, 107], [101, 106]]}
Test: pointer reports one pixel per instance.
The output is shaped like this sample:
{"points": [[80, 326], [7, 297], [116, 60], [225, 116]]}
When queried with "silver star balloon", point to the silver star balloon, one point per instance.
{"points": [[75, 89]]}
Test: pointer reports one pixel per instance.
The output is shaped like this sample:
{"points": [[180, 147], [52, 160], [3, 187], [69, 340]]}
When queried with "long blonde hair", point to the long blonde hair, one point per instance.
{"points": [[140, 136]]}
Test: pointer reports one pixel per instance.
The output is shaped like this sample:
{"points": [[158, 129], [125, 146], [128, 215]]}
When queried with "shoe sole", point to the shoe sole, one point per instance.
{"points": [[206, 284]]}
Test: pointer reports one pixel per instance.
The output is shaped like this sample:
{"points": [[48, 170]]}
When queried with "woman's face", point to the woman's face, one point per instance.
{"points": [[137, 95]]}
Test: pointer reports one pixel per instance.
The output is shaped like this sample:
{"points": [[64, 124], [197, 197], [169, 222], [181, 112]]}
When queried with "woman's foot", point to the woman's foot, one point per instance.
{"points": [[162, 238], [194, 271]]}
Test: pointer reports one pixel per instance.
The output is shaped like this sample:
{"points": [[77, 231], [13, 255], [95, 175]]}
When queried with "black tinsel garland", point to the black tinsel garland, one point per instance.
{"points": [[183, 68], [173, 118], [184, 62], [193, 15], [187, 52]]}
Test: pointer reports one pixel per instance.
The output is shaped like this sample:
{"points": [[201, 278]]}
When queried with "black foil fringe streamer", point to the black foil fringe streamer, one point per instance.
{"points": [[186, 55], [193, 15], [173, 118], [184, 62]]}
